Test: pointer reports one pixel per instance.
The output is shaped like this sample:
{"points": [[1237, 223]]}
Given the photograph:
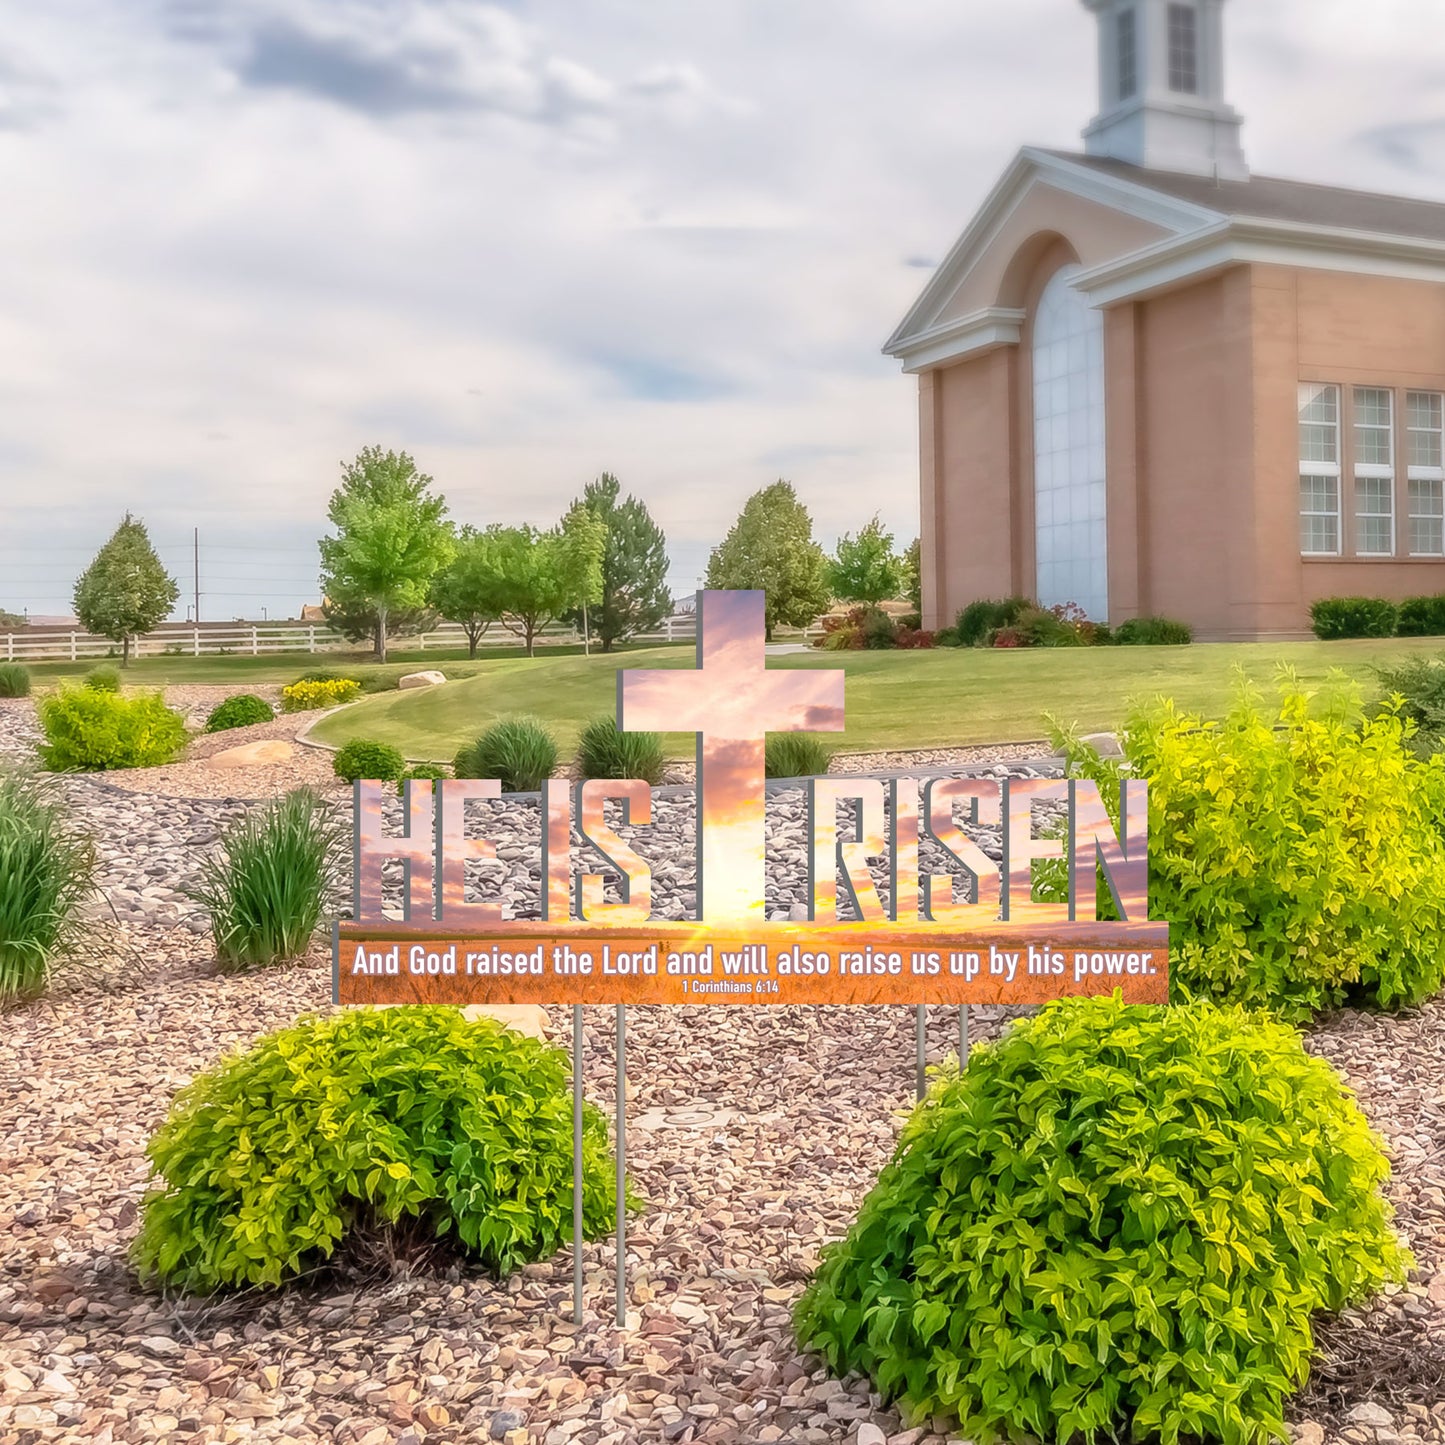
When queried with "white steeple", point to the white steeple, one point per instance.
{"points": [[1161, 88]]}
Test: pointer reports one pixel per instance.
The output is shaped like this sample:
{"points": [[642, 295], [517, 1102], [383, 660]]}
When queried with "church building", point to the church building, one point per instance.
{"points": [[1151, 383]]}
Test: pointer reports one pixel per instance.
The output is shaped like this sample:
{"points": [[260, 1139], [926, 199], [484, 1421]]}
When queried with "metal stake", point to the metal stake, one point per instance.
{"points": [[577, 1164], [621, 1165], [962, 1037], [920, 1036]]}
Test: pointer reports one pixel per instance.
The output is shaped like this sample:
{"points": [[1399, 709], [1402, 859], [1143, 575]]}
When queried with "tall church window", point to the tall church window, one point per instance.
{"points": [[1374, 471], [1184, 49], [1319, 481], [1128, 53], [1070, 502], [1425, 430]]}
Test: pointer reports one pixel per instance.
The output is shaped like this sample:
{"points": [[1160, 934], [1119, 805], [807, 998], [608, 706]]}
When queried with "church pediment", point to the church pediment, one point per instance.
{"points": [[974, 300]]}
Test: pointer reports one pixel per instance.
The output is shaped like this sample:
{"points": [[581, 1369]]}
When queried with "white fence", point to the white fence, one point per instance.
{"points": [[256, 638]]}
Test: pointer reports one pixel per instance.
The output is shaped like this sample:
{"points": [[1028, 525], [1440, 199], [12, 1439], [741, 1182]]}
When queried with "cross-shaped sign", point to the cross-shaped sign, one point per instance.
{"points": [[732, 701]]}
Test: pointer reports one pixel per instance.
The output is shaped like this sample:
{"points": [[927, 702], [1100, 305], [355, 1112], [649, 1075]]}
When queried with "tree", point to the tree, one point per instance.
{"points": [[359, 621], [913, 575], [540, 576], [125, 591], [469, 590], [865, 568], [634, 595], [771, 547], [392, 539]]}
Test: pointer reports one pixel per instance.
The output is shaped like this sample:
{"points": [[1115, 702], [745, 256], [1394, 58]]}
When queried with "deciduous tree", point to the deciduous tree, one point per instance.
{"points": [[469, 591], [771, 547], [392, 538], [865, 568], [125, 591]]}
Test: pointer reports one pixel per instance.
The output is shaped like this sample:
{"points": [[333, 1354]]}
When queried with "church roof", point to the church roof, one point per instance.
{"points": [[1189, 226], [1269, 198]]}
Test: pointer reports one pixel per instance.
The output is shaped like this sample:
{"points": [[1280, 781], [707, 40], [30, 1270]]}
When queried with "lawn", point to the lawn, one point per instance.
{"points": [[280, 667], [894, 699]]}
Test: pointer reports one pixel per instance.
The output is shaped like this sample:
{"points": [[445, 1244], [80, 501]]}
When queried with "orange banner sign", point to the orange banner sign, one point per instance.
{"points": [[777, 963]]}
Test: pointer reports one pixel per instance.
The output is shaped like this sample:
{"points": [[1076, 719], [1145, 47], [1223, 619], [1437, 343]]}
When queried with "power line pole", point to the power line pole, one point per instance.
{"points": [[196, 568]]}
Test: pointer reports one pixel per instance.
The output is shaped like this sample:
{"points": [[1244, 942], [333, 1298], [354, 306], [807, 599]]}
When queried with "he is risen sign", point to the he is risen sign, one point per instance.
{"points": [[925, 945]]}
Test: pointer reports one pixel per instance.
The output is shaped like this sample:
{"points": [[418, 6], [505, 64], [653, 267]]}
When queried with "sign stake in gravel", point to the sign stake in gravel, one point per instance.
{"points": [[932, 941]]}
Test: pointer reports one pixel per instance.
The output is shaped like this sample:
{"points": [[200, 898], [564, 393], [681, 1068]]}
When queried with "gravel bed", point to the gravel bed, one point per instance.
{"points": [[754, 1135]]}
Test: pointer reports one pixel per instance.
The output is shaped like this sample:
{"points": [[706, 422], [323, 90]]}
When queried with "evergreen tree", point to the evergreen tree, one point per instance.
{"points": [[771, 547], [635, 595], [125, 591]]}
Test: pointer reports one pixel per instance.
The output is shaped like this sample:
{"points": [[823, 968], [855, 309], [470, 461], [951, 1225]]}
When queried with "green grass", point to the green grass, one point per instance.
{"points": [[281, 667], [894, 699]]}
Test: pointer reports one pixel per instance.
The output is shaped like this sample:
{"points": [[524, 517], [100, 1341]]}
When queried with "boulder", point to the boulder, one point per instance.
{"points": [[526, 1018], [421, 679], [1105, 744], [254, 755]]}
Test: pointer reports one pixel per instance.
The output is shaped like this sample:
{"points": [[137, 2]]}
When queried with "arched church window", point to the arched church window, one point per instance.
{"points": [[1070, 532]]}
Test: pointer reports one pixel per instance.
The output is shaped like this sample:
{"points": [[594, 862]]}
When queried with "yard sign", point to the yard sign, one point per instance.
{"points": [[924, 946]]}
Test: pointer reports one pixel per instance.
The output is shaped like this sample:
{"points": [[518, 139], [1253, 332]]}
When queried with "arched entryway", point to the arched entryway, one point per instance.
{"points": [[1070, 524]]}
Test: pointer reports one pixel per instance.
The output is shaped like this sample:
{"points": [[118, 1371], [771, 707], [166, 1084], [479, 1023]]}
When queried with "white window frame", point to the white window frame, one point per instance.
{"points": [[1183, 62], [1425, 474], [1309, 391], [1374, 471], [1126, 77]]}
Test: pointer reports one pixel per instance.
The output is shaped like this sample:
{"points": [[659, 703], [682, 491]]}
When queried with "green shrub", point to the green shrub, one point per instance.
{"points": [[603, 752], [425, 773], [14, 679], [1416, 689], [87, 730], [104, 678], [1116, 1223], [1153, 632], [360, 1122], [519, 752], [266, 886], [1046, 627], [1336, 617], [948, 637], [373, 762], [241, 711], [1421, 617], [306, 696], [978, 619], [796, 755], [880, 632], [1297, 855], [46, 870]]}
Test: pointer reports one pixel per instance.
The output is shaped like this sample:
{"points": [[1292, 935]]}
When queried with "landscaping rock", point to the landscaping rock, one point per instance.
{"points": [[526, 1018], [253, 755], [1107, 745], [421, 679]]}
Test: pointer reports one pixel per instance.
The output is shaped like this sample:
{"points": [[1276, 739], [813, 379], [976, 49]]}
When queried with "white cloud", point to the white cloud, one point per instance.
{"points": [[530, 242]]}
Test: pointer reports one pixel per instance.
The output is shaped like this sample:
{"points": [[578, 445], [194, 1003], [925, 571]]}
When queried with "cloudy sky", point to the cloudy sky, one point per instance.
{"points": [[532, 241]]}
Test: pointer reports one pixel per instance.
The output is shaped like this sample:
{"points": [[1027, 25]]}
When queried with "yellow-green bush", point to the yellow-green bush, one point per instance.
{"points": [[1116, 1224], [360, 1122], [89, 730], [310, 693], [1295, 851]]}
